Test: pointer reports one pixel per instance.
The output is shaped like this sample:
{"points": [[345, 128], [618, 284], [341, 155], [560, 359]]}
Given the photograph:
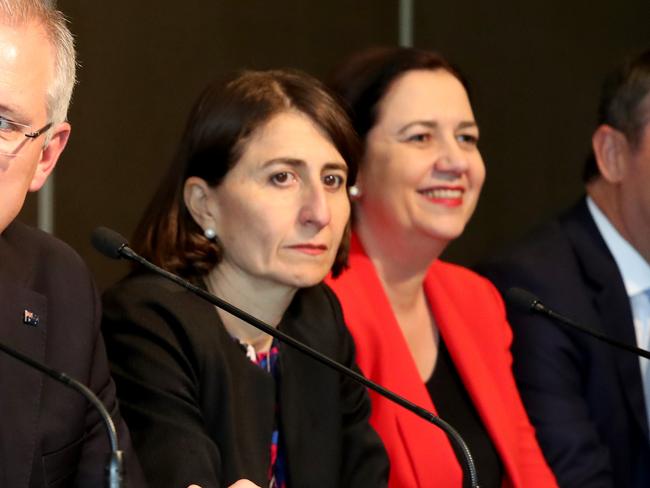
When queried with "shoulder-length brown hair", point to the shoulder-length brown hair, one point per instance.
{"points": [[219, 125]]}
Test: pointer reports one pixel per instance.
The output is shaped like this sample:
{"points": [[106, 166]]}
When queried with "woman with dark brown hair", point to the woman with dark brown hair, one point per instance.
{"points": [[254, 209], [431, 331]]}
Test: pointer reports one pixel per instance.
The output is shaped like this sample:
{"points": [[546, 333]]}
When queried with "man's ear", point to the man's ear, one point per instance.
{"points": [[199, 201], [50, 155], [611, 149]]}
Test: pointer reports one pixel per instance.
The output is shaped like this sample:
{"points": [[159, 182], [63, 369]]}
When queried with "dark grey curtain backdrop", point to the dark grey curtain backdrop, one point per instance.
{"points": [[535, 68]]}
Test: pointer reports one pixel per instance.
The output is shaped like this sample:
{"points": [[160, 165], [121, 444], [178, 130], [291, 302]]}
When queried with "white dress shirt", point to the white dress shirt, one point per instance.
{"points": [[636, 277]]}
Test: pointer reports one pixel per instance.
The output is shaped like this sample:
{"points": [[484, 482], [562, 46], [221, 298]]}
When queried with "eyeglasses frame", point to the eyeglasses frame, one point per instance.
{"points": [[29, 135]]}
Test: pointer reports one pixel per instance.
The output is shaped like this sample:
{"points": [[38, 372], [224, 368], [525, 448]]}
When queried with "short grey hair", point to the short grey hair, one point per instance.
{"points": [[55, 25]]}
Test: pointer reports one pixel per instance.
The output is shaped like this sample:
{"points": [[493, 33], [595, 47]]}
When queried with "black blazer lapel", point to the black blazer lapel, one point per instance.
{"points": [[611, 303], [20, 385]]}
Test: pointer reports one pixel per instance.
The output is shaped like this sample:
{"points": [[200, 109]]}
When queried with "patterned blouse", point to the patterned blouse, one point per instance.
{"points": [[268, 361]]}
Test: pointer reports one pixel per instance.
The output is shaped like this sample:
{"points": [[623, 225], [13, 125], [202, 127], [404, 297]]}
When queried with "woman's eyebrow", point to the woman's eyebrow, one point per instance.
{"points": [[426, 123], [294, 162], [468, 124], [299, 163], [337, 166]]}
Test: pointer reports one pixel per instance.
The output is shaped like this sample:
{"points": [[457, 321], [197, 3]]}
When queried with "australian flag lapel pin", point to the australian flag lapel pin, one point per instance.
{"points": [[30, 318]]}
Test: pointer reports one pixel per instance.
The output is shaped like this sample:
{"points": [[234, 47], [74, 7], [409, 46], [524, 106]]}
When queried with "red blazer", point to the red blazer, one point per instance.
{"points": [[471, 318]]}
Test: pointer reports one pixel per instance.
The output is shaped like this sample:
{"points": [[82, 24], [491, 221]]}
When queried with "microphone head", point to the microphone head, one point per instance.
{"points": [[108, 242], [522, 299]]}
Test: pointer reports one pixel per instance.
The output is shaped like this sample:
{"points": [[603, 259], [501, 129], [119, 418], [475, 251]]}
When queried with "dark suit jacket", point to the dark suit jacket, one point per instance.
{"points": [[584, 397], [49, 434], [201, 412]]}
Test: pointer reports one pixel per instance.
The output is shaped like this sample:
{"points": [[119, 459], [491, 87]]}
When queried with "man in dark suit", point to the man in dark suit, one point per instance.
{"points": [[49, 435], [589, 401]]}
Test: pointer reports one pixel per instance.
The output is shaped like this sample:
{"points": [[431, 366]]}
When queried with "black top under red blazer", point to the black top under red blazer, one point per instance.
{"points": [[50, 436], [201, 412], [584, 397]]}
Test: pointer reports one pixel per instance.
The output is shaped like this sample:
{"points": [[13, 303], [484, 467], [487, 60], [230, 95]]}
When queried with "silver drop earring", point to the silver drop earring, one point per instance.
{"points": [[210, 233]]}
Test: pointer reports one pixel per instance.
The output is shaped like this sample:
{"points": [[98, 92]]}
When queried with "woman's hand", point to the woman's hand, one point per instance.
{"points": [[238, 484]]}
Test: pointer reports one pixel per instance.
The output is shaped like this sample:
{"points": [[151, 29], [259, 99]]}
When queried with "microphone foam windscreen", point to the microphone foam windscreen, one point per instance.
{"points": [[521, 299], [108, 242]]}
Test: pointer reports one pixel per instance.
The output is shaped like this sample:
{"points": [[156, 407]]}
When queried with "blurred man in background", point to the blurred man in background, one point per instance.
{"points": [[590, 402]]}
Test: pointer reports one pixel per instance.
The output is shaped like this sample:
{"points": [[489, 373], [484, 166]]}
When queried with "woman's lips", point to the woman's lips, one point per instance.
{"points": [[311, 249], [447, 196]]}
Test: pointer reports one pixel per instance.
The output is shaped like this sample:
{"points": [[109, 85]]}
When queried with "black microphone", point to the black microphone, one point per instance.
{"points": [[114, 466], [526, 301], [113, 245]]}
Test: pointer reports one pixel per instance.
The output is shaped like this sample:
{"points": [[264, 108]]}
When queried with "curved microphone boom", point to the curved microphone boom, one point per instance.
{"points": [[113, 245], [526, 301], [114, 468]]}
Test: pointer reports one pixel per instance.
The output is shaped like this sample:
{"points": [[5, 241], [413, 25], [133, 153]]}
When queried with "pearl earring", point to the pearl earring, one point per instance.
{"points": [[354, 191], [210, 233]]}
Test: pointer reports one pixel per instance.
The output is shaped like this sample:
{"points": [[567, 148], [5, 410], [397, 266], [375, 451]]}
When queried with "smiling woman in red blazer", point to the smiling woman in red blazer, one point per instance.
{"points": [[433, 332]]}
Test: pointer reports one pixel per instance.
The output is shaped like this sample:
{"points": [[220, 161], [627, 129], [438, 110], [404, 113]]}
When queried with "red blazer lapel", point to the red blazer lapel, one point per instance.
{"points": [[378, 336], [459, 317]]}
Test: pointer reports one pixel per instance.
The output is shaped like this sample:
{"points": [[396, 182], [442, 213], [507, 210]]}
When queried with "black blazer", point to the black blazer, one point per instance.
{"points": [[584, 397], [49, 435], [201, 412]]}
